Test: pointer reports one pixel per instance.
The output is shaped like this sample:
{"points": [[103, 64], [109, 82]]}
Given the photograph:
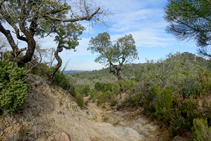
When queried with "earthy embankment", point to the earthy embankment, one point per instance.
{"points": [[50, 110]]}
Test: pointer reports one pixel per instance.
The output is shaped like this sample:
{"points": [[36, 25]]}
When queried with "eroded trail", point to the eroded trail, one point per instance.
{"points": [[127, 125], [50, 110]]}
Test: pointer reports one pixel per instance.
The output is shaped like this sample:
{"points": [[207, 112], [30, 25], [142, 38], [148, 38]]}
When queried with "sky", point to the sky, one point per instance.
{"points": [[141, 18]]}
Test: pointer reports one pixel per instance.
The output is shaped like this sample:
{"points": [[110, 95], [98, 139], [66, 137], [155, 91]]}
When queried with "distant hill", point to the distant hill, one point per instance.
{"points": [[131, 71], [75, 71]]}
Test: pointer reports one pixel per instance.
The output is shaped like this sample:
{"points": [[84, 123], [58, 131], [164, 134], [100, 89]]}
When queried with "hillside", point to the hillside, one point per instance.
{"points": [[130, 71], [50, 110], [159, 99]]}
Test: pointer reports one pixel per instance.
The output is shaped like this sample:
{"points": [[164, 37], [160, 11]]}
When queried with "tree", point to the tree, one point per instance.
{"points": [[121, 52], [190, 19], [30, 18]]}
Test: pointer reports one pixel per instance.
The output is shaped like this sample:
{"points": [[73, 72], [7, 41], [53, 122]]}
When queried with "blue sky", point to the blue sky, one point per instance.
{"points": [[141, 18]]}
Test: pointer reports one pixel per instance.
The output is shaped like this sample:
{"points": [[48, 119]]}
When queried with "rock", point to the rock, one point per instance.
{"points": [[37, 83], [62, 137]]}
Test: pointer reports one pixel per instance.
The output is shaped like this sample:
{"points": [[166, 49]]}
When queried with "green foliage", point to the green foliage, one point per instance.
{"points": [[14, 90], [86, 90], [99, 86], [201, 131], [115, 88], [72, 90], [126, 85], [122, 52], [163, 103], [103, 97], [79, 100], [182, 114], [191, 87], [61, 80], [189, 20], [113, 102], [104, 87], [124, 47]]}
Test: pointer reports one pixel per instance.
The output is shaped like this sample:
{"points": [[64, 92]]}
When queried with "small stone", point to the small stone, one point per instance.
{"points": [[62, 137], [37, 83]]}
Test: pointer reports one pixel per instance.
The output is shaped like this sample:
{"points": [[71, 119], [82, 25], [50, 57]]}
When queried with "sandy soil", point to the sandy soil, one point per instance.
{"points": [[50, 110]]}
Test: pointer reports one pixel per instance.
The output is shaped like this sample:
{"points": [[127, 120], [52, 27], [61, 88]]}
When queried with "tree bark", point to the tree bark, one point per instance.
{"points": [[29, 53], [59, 64], [117, 74]]}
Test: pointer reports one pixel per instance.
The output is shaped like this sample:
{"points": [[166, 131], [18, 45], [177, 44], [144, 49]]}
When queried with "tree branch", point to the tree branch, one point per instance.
{"points": [[23, 17], [9, 37], [57, 11], [209, 2], [19, 51], [72, 20], [2, 1]]}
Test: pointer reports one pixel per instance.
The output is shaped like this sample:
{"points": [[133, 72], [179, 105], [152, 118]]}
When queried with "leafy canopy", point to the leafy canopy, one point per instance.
{"points": [[60, 18], [122, 51], [190, 19]]}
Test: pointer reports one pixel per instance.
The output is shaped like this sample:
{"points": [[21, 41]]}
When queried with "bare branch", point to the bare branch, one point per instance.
{"points": [[73, 20], [23, 17], [9, 37]]}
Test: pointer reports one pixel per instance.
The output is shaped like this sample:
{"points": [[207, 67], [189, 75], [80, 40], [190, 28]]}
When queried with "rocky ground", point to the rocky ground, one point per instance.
{"points": [[50, 110]]}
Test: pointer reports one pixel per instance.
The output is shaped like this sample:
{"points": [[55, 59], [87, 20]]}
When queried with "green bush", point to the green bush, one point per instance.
{"points": [[126, 85], [201, 131], [99, 86], [182, 114], [61, 80], [191, 87], [113, 102], [104, 87], [148, 99], [163, 103], [115, 88], [86, 90], [72, 90], [14, 90], [103, 97], [79, 100]]}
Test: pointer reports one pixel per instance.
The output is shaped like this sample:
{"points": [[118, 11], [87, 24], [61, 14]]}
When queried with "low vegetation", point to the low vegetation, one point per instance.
{"points": [[14, 89], [173, 91]]}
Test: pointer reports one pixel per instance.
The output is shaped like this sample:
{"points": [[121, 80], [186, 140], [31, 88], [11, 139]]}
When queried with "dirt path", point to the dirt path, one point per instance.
{"points": [[50, 110], [129, 123]]}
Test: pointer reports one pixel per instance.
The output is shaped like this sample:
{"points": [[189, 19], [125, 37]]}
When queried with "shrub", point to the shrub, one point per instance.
{"points": [[148, 99], [79, 100], [191, 87], [104, 87], [72, 90], [86, 90], [61, 80], [201, 131], [99, 86], [182, 114], [115, 88], [14, 90], [126, 85], [103, 97], [113, 102], [163, 103]]}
